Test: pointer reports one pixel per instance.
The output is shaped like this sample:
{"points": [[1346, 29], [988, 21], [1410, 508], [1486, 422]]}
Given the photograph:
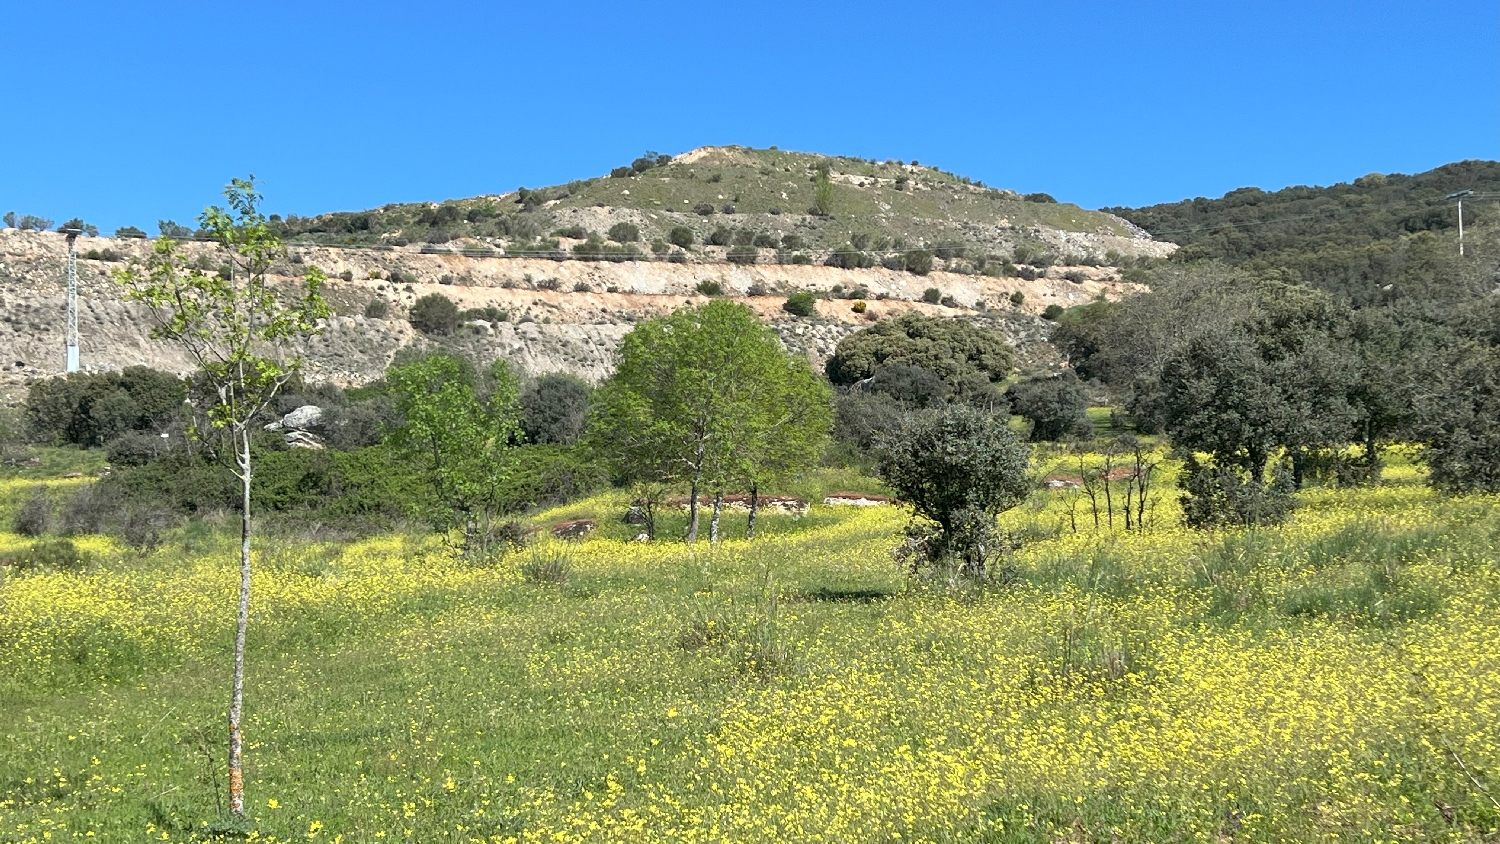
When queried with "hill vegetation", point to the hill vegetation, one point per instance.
{"points": [[1377, 239], [747, 205]]}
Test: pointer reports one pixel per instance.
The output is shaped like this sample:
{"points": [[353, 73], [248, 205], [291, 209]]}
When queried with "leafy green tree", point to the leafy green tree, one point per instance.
{"points": [[554, 408], [237, 328], [456, 430], [1459, 421], [1056, 407], [957, 468], [697, 398], [969, 358]]}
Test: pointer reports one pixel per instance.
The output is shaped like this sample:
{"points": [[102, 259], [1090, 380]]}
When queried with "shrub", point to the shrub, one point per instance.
{"points": [[547, 565], [377, 309], [55, 554], [1075, 276], [792, 241], [1222, 496], [703, 209], [932, 295], [574, 232], [582, 287], [1017, 298], [434, 314], [135, 448], [742, 237], [680, 236], [34, 518], [727, 209], [719, 237], [554, 408], [918, 262], [913, 386], [801, 258], [709, 287], [848, 258], [659, 246], [859, 306], [801, 303], [624, 233], [958, 468], [1057, 407], [621, 173], [1038, 197], [757, 289], [1052, 312], [742, 254]]}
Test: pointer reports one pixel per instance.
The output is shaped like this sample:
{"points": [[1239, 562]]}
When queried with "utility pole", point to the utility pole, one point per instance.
{"points": [[70, 340], [1459, 195]]}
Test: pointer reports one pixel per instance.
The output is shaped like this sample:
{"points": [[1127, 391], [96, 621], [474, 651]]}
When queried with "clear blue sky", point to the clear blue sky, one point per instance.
{"points": [[124, 113]]}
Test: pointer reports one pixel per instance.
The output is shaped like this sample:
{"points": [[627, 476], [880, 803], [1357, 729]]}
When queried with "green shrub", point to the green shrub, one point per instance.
{"points": [[377, 309], [918, 262], [764, 241], [801, 258], [742, 254], [1056, 407], [53, 554], [547, 565], [709, 287], [932, 295], [1052, 312], [1017, 298], [574, 232], [34, 518], [680, 236], [554, 408], [434, 314], [624, 233], [793, 241], [801, 303], [849, 258], [719, 237], [703, 209]]}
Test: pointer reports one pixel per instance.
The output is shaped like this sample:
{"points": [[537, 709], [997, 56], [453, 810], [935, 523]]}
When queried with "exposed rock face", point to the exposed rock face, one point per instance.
{"points": [[562, 315]]}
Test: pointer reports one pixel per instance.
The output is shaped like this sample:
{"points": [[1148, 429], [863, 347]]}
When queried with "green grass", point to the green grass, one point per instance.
{"points": [[1311, 682]]}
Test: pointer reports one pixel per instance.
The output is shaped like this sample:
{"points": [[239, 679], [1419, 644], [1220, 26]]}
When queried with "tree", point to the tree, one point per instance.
{"points": [[456, 429], [969, 358], [554, 408], [801, 303], [1459, 421], [434, 314], [822, 191], [237, 329], [698, 397], [1056, 407], [170, 228], [88, 229], [957, 468]]}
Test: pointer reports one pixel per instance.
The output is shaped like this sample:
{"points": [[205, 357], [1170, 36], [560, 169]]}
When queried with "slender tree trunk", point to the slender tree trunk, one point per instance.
{"points": [[237, 695], [713, 522], [754, 508], [692, 534]]}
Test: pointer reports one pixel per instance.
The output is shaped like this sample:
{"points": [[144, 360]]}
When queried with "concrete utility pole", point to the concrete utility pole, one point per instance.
{"points": [[70, 340], [1460, 197]]}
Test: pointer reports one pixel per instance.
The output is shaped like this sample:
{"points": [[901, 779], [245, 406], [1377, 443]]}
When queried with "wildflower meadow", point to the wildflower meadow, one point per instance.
{"points": [[1335, 678]]}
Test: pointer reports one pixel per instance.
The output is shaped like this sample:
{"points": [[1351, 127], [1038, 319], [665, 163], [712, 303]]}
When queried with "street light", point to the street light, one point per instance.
{"points": [[1459, 195]]}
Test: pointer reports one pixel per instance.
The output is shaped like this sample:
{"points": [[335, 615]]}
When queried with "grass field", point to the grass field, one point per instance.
{"points": [[1334, 679]]}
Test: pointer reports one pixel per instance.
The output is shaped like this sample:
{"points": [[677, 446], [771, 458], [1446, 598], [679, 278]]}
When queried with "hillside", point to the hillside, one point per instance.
{"points": [[1375, 239], [559, 315], [884, 208]]}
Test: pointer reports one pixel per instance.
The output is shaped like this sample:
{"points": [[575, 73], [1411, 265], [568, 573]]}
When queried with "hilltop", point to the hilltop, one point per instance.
{"points": [[765, 199]]}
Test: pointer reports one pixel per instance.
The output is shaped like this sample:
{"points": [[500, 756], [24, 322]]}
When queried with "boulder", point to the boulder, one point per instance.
{"points": [[576, 529], [302, 439]]}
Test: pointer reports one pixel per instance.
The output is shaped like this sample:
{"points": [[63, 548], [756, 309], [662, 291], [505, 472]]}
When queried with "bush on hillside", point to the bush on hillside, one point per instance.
{"points": [[742, 254], [377, 309], [34, 518], [624, 233], [681, 236], [1056, 407], [434, 314], [801, 303], [720, 236]]}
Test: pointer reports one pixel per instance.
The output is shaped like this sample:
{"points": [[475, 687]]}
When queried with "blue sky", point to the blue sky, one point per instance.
{"points": [[125, 113]]}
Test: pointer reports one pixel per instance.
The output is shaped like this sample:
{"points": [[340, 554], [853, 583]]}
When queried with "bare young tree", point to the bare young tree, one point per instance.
{"points": [[236, 327]]}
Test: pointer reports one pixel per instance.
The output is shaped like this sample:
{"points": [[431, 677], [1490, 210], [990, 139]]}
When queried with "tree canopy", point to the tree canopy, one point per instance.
{"points": [[968, 357]]}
